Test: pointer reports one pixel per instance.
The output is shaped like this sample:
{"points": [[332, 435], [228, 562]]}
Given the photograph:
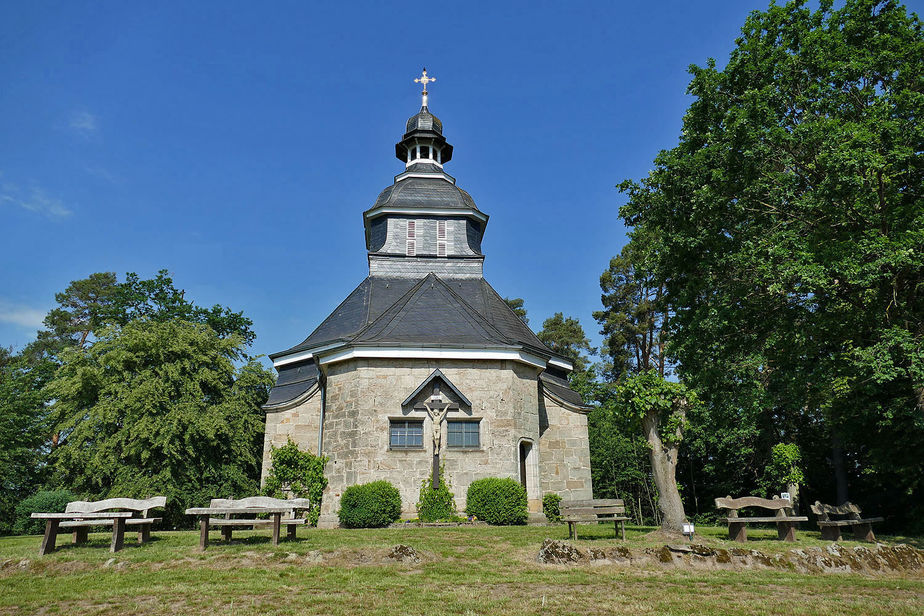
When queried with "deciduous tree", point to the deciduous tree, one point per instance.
{"points": [[158, 407], [790, 234]]}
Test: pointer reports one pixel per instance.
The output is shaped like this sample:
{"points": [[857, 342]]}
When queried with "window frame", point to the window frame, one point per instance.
{"points": [[394, 422], [463, 422]]}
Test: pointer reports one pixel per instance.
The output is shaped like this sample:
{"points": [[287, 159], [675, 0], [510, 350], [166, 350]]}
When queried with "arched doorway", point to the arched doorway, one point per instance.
{"points": [[529, 473]]}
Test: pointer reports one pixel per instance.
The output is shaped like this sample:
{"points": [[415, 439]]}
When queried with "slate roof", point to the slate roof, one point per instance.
{"points": [[426, 312], [423, 193], [558, 387], [293, 381], [424, 121]]}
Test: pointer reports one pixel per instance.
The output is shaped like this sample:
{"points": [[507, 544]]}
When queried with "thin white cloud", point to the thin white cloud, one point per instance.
{"points": [[35, 200], [84, 123], [103, 174], [21, 315]]}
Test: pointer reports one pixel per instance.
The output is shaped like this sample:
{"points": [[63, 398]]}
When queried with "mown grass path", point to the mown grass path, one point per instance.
{"points": [[465, 570]]}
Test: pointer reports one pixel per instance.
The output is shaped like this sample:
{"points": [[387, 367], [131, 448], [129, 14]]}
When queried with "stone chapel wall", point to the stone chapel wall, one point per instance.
{"points": [[564, 452], [300, 423], [364, 394]]}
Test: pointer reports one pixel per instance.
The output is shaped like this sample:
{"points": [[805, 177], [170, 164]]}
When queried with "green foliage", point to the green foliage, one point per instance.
{"points": [[634, 314], [370, 505], [787, 228], [299, 474], [24, 430], [516, 304], [43, 501], [566, 337], [619, 459], [649, 396], [89, 305], [551, 507], [436, 505], [784, 468], [497, 501], [158, 407]]}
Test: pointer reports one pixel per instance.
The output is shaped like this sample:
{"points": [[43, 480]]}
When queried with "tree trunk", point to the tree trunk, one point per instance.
{"points": [[664, 471], [840, 469]]}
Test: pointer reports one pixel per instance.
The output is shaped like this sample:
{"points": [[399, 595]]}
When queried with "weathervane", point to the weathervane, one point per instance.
{"points": [[424, 80]]}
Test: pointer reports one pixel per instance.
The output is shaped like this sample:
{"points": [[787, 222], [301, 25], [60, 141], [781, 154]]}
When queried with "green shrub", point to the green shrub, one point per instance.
{"points": [[437, 505], [370, 505], [551, 504], [497, 501], [43, 501], [297, 473]]}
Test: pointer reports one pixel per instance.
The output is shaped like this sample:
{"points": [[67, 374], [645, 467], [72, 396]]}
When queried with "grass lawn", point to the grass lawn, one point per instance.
{"points": [[464, 570]]}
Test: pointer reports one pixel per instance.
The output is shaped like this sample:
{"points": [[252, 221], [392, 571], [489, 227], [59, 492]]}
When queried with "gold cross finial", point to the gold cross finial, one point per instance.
{"points": [[424, 80]]}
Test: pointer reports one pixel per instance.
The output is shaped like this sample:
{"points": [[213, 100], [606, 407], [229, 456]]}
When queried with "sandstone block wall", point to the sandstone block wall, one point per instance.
{"points": [[564, 462], [300, 423], [364, 394]]}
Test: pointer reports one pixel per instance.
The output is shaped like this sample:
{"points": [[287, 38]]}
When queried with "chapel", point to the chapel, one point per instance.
{"points": [[424, 368]]}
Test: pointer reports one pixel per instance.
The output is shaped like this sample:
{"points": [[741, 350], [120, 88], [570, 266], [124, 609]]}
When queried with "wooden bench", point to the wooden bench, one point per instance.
{"points": [[116, 512], [737, 526], [253, 505], [593, 511], [831, 529]]}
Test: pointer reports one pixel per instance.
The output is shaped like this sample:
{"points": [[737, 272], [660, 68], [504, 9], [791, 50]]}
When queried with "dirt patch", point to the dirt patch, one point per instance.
{"points": [[833, 559]]}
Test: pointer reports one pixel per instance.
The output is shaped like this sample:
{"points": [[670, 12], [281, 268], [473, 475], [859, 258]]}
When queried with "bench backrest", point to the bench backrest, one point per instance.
{"points": [[589, 508], [261, 501], [734, 504], [824, 512], [131, 504]]}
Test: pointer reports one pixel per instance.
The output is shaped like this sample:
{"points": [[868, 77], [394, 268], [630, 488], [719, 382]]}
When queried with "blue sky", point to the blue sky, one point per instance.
{"points": [[237, 144]]}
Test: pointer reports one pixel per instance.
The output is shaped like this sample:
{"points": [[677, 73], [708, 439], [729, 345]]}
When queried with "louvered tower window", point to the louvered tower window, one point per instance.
{"points": [[441, 238], [411, 238]]}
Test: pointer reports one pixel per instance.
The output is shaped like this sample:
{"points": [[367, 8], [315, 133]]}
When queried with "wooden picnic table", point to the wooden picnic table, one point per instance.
{"points": [[53, 520], [204, 513]]}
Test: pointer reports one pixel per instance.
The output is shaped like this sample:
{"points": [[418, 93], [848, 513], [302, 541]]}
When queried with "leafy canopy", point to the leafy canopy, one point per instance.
{"points": [[89, 305], [787, 228], [566, 337], [158, 407]]}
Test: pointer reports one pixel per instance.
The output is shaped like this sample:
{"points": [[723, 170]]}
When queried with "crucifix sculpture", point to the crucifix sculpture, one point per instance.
{"points": [[437, 409]]}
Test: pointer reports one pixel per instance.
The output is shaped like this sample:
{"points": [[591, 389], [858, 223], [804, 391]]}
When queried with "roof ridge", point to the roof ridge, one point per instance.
{"points": [[489, 288], [403, 300], [472, 310], [367, 283]]}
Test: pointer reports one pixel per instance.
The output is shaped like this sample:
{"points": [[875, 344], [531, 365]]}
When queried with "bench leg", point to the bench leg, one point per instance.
{"points": [[290, 531], [622, 525], [277, 523], [786, 531], [81, 535], [738, 531], [203, 532], [51, 534], [831, 533], [226, 533], [863, 532], [118, 534], [144, 533]]}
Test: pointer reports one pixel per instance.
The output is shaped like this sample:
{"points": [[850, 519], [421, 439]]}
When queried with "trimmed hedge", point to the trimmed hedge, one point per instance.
{"points": [[551, 507], [497, 501], [370, 505], [43, 501]]}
